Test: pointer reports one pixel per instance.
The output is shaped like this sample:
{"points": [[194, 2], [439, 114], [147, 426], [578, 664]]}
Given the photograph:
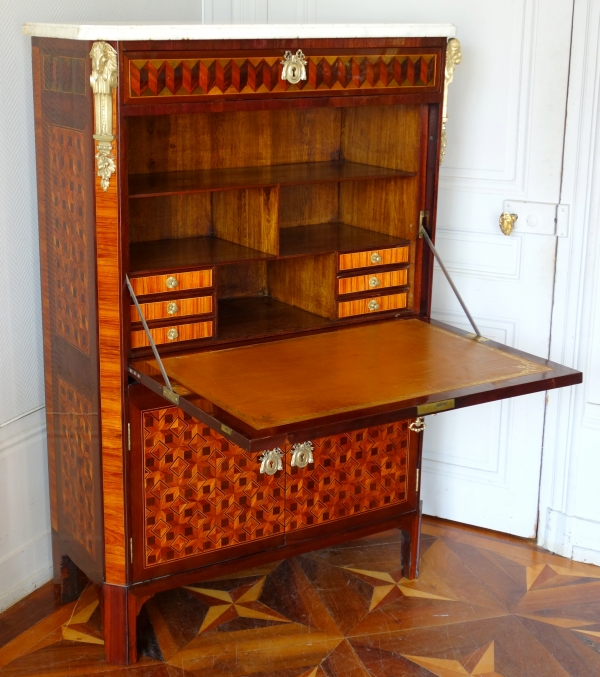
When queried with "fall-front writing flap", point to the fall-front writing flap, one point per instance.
{"points": [[289, 388]]}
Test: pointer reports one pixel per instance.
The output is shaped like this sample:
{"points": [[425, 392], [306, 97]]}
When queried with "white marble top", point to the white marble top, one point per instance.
{"points": [[149, 31]]}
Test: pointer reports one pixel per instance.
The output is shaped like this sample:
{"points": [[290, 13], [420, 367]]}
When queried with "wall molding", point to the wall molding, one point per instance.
{"points": [[566, 440]]}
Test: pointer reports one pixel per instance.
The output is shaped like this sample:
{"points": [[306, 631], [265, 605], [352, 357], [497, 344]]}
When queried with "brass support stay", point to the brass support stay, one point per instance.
{"points": [[424, 233], [168, 392]]}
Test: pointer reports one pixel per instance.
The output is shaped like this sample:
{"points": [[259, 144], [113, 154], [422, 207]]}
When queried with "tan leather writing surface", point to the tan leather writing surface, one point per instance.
{"points": [[298, 379]]}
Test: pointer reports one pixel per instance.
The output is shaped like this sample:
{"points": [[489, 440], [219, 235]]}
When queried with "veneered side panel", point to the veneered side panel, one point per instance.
{"points": [[65, 170]]}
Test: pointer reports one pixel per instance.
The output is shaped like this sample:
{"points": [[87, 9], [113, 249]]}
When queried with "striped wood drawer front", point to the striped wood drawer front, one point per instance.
{"points": [[159, 310], [373, 281], [374, 257], [379, 304], [184, 332], [157, 284]]}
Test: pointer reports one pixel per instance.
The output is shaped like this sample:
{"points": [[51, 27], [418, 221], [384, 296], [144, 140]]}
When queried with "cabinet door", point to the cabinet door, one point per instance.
{"points": [[355, 478], [196, 497]]}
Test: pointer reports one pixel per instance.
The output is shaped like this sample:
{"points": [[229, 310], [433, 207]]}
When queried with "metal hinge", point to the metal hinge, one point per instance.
{"points": [[423, 219], [417, 480], [129, 437], [131, 549]]}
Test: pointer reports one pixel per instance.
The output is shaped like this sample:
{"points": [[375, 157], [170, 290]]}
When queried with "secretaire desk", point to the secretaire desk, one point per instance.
{"points": [[261, 196]]}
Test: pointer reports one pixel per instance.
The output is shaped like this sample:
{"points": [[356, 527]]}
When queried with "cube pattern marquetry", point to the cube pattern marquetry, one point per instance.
{"points": [[201, 492], [68, 237], [75, 446], [352, 473], [256, 75]]}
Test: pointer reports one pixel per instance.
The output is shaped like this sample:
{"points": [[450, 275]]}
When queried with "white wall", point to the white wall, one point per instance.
{"points": [[25, 560], [570, 488]]}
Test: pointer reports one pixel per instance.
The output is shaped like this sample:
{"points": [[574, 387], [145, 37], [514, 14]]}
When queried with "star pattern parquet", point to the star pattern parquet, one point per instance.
{"points": [[484, 605]]}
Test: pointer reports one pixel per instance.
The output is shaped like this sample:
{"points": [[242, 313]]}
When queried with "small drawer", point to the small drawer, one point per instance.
{"points": [[157, 284], [160, 310], [352, 285], [174, 334], [375, 257], [373, 304]]}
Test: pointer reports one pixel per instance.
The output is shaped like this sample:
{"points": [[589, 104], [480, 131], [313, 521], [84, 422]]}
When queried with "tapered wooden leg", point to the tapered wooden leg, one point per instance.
{"points": [[411, 546], [119, 613]]}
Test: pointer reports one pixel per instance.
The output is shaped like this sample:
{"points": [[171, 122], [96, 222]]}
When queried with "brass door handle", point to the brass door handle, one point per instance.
{"points": [[507, 222]]}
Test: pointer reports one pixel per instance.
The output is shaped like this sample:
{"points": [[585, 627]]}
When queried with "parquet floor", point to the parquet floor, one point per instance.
{"points": [[484, 605]]}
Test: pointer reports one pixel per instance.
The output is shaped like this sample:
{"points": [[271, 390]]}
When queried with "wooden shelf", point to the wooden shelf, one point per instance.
{"points": [[258, 316], [332, 237], [190, 252], [177, 183]]}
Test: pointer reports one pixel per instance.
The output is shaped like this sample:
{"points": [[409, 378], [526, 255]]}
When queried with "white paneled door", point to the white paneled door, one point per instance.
{"points": [[505, 141]]}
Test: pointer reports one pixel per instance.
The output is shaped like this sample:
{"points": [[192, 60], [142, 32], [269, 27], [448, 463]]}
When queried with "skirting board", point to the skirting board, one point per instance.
{"points": [[27, 568], [572, 537], [25, 543]]}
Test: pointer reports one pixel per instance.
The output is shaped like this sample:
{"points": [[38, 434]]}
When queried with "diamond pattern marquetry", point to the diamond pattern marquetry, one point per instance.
{"points": [[484, 605], [201, 491], [256, 75], [68, 239], [352, 473], [76, 465]]}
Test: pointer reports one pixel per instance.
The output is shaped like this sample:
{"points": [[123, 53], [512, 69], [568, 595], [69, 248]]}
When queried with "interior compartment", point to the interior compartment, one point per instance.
{"points": [[271, 197], [262, 298]]}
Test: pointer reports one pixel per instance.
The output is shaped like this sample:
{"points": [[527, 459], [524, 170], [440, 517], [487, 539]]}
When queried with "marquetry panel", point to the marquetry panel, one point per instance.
{"points": [[350, 285], [196, 77], [373, 304], [75, 444], [67, 207], [198, 305], [352, 473], [375, 257], [156, 284], [201, 492], [64, 74], [173, 334]]}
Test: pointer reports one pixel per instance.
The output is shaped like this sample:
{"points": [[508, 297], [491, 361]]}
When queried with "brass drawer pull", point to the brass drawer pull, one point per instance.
{"points": [[373, 305], [271, 461], [374, 282], [294, 67], [172, 308], [418, 425], [171, 282], [302, 454], [376, 258], [172, 334]]}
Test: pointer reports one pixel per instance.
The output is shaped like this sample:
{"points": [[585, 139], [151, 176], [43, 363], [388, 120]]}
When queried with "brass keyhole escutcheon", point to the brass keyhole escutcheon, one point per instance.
{"points": [[270, 461], [294, 67], [302, 454], [507, 222]]}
